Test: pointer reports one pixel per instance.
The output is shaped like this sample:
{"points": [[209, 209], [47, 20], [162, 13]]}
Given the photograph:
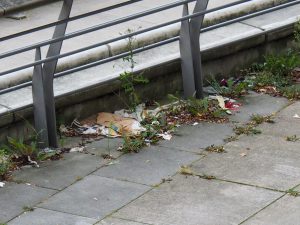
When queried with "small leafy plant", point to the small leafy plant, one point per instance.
{"points": [[216, 149], [232, 88], [259, 119], [247, 130], [5, 163], [292, 138], [129, 79], [293, 192]]}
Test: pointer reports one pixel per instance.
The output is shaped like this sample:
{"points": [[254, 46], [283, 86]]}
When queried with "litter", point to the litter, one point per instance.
{"points": [[296, 116], [120, 124], [34, 163], [91, 130], [195, 124], [226, 104], [165, 136], [2, 184], [112, 163], [77, 149]]}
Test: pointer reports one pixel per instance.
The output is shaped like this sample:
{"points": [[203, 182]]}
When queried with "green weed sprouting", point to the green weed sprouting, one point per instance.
{"points": [[129, 79]]}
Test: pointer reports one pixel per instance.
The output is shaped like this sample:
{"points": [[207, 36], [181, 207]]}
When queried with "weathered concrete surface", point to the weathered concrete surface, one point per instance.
{"points": [[149, 166], [116, 221], [283, 211], [98, 197], [258, 104], [105, 146], [196, 138], [194, 201], [261, 160], [13, 197], [266, 160], [48, 217], [61, 173]]}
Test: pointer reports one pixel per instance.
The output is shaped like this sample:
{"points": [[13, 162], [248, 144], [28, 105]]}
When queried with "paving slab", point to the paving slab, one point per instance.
{"points": [[290, 111], [284, 211], [115, 221], [281, 128], [49, 217], [196, 138], [98, 197], [149, 166], [13, 197], [61, 173], [260, 160], [105, 146], [194, 201], [255, 103]]}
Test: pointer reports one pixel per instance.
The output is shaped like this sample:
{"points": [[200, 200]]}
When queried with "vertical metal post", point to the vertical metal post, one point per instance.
{"points": [[190, 51], [195, 27], [186, 56], [49, 70], [39, 106]]}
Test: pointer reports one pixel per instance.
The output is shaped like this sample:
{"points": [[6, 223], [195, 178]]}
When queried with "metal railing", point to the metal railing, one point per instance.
{"points": [[44, 69]]}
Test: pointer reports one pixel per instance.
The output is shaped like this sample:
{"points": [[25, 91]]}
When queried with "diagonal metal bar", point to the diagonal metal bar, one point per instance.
{"points": [[195, 27], [49, 70], [39, 105], [187, 67]]}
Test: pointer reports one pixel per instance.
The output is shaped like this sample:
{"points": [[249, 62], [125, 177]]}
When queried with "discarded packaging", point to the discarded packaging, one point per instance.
{"points": [[119, 124], [2, 184]]}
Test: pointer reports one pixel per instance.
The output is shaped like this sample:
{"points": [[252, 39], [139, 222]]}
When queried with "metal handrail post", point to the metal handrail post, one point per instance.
{"points": [[195, 28], [39, 105], [49, 70], [190, 53], [187, 67]]}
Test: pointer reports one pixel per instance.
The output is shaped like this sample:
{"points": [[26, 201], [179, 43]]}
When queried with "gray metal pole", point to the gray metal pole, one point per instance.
{"points": [[187, 67], [39, 105], [195, 27], [49, 70]]}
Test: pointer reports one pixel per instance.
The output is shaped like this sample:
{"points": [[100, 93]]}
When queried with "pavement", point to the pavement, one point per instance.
{"points": [[252, 178]]}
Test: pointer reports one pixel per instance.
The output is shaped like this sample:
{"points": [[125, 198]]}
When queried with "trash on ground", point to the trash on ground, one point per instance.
{"points": [[120, 124], [243, 154], [77, 149], [165, 136], [296, 116], [32, 162], [2, 184]]}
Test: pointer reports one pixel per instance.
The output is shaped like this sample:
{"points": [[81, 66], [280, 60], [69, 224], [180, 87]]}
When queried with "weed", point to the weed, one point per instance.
{"points": [[187, 171], [292, 138], [128, 78], [291, 92], [233, 88], [293, 192], [217, 149], [231, 138], [5, 163], [28, 209], [281, 65], [248, 130], [132, 144], [259, 119], [297, 34], [193, 110]]}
